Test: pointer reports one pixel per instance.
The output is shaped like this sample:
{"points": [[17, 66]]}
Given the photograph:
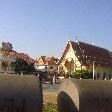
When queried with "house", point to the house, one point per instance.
{"points": [[8, 55], [46, 65], [25, 57], [6, 46], [79, 55]]}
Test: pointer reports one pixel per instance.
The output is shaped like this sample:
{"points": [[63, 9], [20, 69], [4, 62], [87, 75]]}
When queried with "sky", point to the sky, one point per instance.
{"points": [[41, 27]]}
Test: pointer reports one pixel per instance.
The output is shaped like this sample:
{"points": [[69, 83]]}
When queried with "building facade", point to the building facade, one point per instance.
{"points": [[46, 65], [79, 55], [8, 56]]}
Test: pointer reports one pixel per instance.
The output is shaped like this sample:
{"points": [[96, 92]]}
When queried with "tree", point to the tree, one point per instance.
{"points": [[84, 74], [22, 66], [4, 65]]}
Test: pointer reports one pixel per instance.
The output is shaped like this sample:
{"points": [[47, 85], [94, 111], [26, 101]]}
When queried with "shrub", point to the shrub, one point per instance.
{"points": [[84, 74], [49, 107]]}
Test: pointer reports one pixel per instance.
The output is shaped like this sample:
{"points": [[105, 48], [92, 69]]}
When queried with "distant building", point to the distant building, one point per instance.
{"points": [[6, 46], [8, 55], [79, 55], [46, 65], [25, 57]]}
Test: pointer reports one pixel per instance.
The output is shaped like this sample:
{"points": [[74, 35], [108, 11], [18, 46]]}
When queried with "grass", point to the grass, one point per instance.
{"points": [[49, 102], [50, 107]]}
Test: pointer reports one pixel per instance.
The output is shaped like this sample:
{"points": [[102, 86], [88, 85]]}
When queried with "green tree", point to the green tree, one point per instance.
{"points": [[4, 65], [20, 66], [84, 74]]}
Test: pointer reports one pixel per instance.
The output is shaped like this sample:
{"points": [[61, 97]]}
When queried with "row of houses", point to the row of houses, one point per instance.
{"points": [[46, 65], [79, 55], [76, 55]]}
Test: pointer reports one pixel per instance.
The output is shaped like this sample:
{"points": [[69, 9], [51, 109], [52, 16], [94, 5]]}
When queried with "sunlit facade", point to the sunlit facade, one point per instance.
{"points": [[79, 55]]}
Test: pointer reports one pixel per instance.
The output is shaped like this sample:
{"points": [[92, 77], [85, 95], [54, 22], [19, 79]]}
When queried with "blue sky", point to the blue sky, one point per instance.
{"points": [[41, 27]]}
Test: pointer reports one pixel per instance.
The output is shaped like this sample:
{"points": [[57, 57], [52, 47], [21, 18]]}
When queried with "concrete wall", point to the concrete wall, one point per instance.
{"points": [[20, 93], [85, 96]]}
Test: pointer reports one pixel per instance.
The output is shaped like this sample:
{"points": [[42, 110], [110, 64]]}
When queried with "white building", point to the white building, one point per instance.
{"points": [[79, 55], [46, 64]]}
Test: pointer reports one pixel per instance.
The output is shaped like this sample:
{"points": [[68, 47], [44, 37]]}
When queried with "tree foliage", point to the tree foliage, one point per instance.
{"points": [[4, 65], [22, 66], [84, 74]]}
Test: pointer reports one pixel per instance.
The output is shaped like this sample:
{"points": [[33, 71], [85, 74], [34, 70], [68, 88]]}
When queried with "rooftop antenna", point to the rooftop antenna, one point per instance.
{"points": [[68, 37], [76, 39], [93, 43]]}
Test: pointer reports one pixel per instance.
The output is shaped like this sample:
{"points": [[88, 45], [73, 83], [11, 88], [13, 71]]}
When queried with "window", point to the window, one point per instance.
{"points": [[51, 67], [104, 76], [98, 75], [109, 76], [94, 77], [45, 67]]}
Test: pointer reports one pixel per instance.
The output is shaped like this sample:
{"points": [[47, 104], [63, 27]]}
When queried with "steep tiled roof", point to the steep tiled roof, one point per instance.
{"points": [[87, 53], [7, 52], [64, 52], [14, 54], [51, 61], [25, 57], [46, 61]]}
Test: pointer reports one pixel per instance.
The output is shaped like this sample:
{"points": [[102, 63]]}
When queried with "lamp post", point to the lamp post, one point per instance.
{"points": [[93, 70], [70, 70]]}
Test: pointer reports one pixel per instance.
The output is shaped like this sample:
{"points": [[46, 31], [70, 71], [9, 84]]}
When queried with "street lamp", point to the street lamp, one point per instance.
{"points": [[93, 70]]}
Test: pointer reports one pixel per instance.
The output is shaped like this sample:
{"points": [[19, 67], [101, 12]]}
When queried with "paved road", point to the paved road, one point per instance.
{"points": [[52, 88], [50, 93]]}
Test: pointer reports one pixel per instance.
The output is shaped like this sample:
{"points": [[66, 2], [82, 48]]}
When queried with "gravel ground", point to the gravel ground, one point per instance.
{"points": [[50, 93], [49, 98]]}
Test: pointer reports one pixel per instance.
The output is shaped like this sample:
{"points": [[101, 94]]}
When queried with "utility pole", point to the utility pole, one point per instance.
{"points": [[70, 70], [93, 70]]}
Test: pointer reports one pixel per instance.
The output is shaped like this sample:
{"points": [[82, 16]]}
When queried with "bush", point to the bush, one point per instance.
{"points": [[84, 74], [22, 66], [49, 107]]}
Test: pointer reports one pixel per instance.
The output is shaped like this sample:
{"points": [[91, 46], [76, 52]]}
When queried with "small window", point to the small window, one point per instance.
{"points": [[45, 67], [109, 76], [51, 67], [104, 76]]}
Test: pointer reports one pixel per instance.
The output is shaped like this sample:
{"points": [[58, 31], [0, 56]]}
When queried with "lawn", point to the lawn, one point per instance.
{"points": [[49, 102]]}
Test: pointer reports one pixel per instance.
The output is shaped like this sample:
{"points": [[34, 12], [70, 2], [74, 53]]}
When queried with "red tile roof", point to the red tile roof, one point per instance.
{"points": [[46, 60], [25, 57], [87, 53], [6, 51]]}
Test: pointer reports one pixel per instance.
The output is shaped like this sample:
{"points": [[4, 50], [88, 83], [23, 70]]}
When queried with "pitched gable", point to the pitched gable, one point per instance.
{"points": [[41, 60], [64, 52]]}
